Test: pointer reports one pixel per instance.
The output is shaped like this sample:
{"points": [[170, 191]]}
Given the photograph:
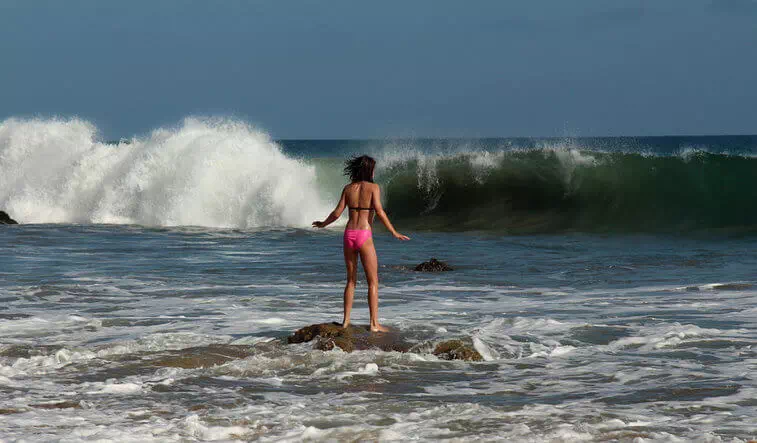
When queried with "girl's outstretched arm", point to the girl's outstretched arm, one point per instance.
{"points": [[382, 215], [335, 214]]}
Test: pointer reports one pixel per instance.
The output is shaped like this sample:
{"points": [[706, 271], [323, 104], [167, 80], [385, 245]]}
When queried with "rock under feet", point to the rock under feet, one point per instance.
{"points": [[327, 336]]}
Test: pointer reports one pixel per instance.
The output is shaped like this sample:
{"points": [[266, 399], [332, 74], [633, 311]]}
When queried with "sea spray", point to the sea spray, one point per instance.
{"points": [[217, 173]]}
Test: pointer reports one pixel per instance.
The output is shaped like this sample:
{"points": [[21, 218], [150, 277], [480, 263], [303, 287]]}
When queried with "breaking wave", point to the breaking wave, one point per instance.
{"points": [[225, 173], [205, 172], [559, 189]]}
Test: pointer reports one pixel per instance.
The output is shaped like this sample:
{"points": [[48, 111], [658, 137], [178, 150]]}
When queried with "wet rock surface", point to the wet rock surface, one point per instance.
{"points": [[327, 336], [5, 219], [433, 265], [457, 350]]}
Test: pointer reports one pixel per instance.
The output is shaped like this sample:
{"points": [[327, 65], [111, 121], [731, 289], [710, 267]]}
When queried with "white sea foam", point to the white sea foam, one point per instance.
{"points": [[196, 428], [486, 351], [118, 388], [42, 364], [370, 369], [667, 336], [216, 173]]}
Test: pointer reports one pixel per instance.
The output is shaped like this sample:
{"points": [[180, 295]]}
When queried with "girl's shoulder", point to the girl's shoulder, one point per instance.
{"points": [[365, 184], [370, 186]]}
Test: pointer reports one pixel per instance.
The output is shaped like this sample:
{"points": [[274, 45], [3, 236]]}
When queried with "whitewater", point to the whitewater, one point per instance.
{"points": [[147, 293], [204, 173]]}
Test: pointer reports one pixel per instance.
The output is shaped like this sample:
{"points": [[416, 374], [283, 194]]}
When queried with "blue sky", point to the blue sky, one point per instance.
{"points": [[345, 69]]}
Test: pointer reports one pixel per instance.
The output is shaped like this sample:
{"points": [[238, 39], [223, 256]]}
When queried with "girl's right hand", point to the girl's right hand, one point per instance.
{"points": [[399, 236]]}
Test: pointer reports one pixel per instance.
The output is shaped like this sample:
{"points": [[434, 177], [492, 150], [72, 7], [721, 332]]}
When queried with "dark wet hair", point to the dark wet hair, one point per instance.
{"points": [[360, 168]]}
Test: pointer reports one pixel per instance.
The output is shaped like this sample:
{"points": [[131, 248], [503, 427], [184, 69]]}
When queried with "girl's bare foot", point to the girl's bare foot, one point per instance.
{"points": [[345, 325], [379, 328]]}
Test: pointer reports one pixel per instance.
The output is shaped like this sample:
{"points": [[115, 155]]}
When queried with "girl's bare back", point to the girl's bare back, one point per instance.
{"points": [[359, 199]]}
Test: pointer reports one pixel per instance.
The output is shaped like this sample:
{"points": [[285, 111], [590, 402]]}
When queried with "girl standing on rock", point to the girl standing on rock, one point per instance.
{"points": [[363, 198]]}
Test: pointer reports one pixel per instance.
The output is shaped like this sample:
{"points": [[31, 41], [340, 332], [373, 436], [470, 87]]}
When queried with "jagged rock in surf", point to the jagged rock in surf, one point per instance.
{"points": [[433, 265], [5, 219], [327, 336], [457, 350]]}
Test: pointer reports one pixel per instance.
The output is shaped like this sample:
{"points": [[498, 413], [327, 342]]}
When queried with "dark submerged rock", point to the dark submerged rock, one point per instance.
{"points": [[27, 351], [5, 219], [457, 350], [13, 316], [433, 265], [327, 336], [203, 356], [58, 405]]}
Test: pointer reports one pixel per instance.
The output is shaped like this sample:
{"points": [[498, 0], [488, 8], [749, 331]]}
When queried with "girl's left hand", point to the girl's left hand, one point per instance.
{"points": [[318, 224]]}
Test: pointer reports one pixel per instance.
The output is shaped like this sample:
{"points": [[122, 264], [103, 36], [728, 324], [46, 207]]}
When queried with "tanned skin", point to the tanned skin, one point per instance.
{"points": [[361, 194]]}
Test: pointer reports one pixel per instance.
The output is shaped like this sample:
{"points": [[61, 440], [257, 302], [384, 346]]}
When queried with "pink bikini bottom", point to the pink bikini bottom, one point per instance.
{"points": [[354, 238]]}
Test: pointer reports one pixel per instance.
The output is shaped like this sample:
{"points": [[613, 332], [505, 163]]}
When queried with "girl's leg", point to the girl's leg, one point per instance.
{"points": [[350, 260], [370, 265]]}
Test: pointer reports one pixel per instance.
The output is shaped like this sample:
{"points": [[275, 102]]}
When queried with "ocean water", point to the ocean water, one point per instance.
{"points": [[609, 284]]}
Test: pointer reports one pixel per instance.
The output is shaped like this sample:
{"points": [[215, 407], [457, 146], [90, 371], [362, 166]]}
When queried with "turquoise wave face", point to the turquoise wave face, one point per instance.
{"points": [[573, 190]]}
